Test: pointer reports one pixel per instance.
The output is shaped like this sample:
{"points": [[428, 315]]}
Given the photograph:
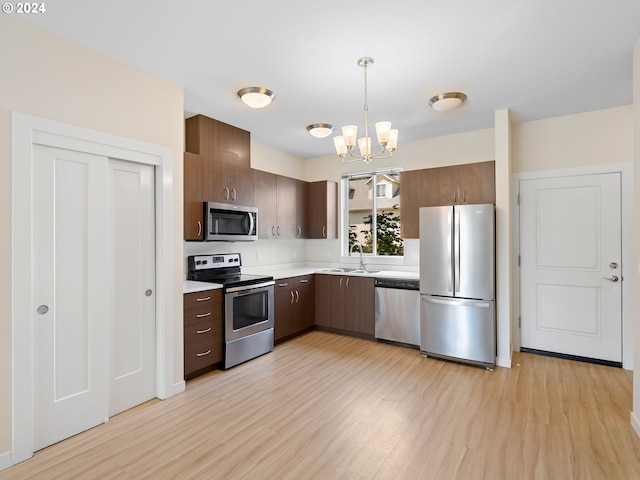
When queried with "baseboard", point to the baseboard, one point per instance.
{"points": [[178, 388], [635, 423], [6, 460], [503, 362]]}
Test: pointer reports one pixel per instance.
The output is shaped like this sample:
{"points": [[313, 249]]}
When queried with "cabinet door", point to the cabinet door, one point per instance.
{"points": [[413, 195], [477, 183], [287, 202], [265, 184], [305, 311], [193, 196], [359, 305], [284, 299], [323, 209], [302, 209], [442, 188], [329, 305]]}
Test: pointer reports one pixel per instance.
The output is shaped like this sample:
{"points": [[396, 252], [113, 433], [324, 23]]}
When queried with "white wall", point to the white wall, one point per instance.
{"points": [[50, 77]]}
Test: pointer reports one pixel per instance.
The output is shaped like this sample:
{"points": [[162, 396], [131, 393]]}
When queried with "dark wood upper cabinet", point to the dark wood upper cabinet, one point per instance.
{"points": [[276, 198], [323, 209], [302, 213], [226, 150], [453, 185], [413, 195], [193, 196]]}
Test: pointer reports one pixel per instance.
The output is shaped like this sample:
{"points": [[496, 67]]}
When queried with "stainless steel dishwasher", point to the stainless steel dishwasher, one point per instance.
{"points": [[398, 310]]}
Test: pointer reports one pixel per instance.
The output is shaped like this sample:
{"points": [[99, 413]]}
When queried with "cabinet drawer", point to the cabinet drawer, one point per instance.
{"points": [[200, 354], [197, 299], [196, 316], [198, 331]]}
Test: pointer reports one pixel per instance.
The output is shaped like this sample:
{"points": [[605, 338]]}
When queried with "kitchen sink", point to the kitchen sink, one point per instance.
{"points": [[348, 270]]}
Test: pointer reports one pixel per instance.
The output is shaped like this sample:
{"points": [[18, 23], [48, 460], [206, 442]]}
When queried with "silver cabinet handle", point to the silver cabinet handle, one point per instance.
{"points": [[203, 315], [273, 230], [283, 284], [199, 228], [348, 283], [203, 299], [324, 231], [234, 194], [612, 278], [299, 231], [203, 331], [292, 298], [226, 193], [203, 354], [297, 296], [278, 231], [304, 281], [341, 282]]}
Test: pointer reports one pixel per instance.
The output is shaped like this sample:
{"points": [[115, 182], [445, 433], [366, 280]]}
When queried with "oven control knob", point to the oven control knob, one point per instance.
{"points": [[204, 262]]}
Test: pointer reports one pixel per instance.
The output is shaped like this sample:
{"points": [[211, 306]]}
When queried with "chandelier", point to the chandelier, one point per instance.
{"points": [[387, 138]]}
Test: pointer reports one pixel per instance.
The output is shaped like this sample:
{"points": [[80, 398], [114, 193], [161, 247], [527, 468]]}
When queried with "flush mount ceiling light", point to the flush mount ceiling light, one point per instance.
{"points": [[256, 97], [387, 138], [445, 102], [320, 130]]}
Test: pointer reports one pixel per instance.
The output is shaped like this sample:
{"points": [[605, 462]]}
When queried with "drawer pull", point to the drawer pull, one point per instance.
{"points": [[283, 284], [204, 331], [304, 281], [203, 299], [203, 354], [203, 315]]}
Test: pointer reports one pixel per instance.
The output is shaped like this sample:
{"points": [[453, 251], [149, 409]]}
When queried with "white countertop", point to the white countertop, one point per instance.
{"points": [[191, 286], [285, 271]]}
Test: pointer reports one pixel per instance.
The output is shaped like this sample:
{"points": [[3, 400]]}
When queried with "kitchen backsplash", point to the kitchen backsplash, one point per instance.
{"points": [[278, 252]]}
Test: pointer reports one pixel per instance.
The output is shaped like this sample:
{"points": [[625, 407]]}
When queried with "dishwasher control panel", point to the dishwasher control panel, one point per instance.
{"points": [[398, 283]]}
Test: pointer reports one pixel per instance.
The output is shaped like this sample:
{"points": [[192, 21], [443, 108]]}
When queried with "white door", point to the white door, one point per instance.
{"points": [[71, 309], [571, 293], [133, 359]]}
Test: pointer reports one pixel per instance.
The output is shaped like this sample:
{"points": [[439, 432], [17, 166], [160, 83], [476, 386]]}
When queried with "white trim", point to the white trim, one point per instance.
{"points": [[503, 362], [626, 191], [5, 460], [26, 131], [635, 423]]}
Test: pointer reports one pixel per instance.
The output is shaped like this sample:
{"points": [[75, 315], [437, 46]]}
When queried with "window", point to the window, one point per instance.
{"points": [[372, 212]]}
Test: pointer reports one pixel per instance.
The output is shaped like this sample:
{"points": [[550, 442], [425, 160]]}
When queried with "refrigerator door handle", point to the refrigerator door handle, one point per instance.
{"points": [[456, 251], [450, 253], [456, 302]]}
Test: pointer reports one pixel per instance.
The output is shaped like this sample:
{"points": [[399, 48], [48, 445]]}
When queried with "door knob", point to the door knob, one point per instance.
{"points": [[148, 292], [42, 309], [612, 278]]}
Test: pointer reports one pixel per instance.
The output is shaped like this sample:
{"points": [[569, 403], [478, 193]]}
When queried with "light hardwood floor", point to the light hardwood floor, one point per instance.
{"points": [[324, 406]]}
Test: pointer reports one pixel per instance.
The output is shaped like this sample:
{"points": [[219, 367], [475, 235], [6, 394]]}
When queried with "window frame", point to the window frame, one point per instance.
{"points": [[344, 220]]}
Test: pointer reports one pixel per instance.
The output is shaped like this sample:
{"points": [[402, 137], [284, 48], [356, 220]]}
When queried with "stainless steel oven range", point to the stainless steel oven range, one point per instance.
{"points": [[247, 306]]}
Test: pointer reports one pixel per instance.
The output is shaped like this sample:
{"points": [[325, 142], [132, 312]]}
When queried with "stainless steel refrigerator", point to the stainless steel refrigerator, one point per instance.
{"points": [[457, 283]]}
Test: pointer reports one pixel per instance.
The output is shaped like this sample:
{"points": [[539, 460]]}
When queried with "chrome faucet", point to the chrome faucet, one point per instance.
{"points": [[356, 244]]}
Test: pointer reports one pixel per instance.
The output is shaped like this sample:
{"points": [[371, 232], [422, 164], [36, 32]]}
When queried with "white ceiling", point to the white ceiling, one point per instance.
{"points": [[539, 58]]}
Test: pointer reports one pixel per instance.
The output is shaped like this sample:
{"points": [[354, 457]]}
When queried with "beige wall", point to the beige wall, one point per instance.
{"points": [[270, 160], [635, 268], [586, 139], [50, 77]]}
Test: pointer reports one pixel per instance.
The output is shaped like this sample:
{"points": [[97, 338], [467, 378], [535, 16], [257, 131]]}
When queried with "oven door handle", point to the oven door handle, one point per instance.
{"points": [[243, 288]]}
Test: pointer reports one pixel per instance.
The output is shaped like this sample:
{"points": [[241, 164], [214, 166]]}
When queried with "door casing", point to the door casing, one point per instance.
{"points": [[26, 131]]}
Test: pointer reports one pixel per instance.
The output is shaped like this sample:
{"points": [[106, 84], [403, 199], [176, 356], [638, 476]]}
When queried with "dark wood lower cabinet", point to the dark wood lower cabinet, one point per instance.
{"points": [[346, 303], [203, 339], [294, 306]]}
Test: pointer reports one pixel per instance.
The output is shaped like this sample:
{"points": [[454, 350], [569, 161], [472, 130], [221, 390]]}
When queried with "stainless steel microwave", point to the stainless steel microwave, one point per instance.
{"points": [[230, 223]]}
